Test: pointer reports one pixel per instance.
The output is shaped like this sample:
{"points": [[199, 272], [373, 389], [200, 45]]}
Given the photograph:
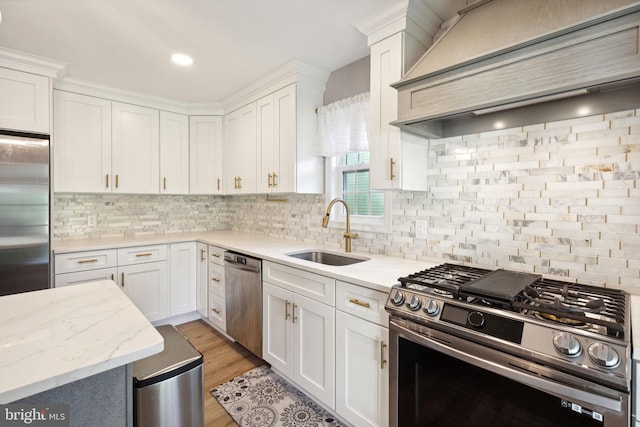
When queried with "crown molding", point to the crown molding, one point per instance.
{"points": [[33, 64]]}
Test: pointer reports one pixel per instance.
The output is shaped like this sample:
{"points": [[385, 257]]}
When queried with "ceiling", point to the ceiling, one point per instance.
{"points": [[126, 44]]}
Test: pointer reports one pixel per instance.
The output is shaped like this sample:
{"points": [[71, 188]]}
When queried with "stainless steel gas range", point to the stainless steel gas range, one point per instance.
{"points": [[476, 347]]}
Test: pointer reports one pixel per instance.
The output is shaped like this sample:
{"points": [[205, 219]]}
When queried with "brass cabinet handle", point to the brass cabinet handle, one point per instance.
{"points": [[143, 255], [215, 279], [117, 181], [122, 279], [218, 184], [391, 164], [107, 180], [215, 255], [86, 261], [269, 181], [360, 303], [164, 183], [216, 310], [286, 309], [293, 320], [275, 184], [202, 257], [383, 361], [112, 277], [239, 183]]}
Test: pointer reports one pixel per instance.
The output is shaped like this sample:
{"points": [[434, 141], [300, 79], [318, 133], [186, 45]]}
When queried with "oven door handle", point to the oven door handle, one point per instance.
{"points": [[545, 385]]}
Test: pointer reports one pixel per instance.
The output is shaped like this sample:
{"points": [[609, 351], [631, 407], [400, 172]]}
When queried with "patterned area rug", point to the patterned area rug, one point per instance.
{"points": [[261, 398]]}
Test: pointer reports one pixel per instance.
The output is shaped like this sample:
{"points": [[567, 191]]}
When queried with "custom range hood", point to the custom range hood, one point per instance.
{"points": [[507, 63]]}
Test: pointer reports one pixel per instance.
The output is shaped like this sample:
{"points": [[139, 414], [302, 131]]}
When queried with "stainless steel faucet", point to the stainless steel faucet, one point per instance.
{"points": [[348, 235]]}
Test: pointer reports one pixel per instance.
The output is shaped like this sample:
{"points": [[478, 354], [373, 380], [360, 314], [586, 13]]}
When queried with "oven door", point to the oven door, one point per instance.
{"points": [[442, 380]]}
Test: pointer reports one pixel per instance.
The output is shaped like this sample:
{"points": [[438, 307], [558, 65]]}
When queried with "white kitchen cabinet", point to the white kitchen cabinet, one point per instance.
{"points": [[147, 286], [202, 276], [299, 332], [217, 314], [24, 104], [183, 261], [84, 261], [240, 151], [81, 143], [174, 153], [362, 350], [135, 148], [76, 278], [205, 155], [398, 158], [286, 130]]}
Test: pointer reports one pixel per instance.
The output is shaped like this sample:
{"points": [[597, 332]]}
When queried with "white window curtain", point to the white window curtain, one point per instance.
{"points": [[343, 126]]}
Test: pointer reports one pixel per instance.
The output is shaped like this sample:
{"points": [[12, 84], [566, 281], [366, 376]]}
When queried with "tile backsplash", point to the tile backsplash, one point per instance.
{"points": [[558, 198]]}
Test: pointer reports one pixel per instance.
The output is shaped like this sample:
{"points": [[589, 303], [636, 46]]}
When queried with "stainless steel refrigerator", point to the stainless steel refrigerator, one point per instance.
{"points": [[24, 212]]}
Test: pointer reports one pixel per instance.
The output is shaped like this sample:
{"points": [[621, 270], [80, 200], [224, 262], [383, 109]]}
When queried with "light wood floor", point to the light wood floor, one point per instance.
{"points": [[223, 360]]}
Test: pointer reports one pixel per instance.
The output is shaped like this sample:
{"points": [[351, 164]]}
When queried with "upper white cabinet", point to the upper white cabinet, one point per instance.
{"points": [[205, 155], [81, 143], [286, 129], [398, 159], [241, 151], [24, 104], [135, 148], [174, 153]]}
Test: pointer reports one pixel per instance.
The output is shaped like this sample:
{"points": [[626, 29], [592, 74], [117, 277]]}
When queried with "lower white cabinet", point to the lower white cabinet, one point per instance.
{"points": [[86, 276], [362, 370], [183, 265], [147, 286], [202, 275], [217, 314], [299, 340]]}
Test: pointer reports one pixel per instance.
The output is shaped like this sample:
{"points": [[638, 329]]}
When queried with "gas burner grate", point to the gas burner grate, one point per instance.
{"points": [[599, 306], [445, 277]]}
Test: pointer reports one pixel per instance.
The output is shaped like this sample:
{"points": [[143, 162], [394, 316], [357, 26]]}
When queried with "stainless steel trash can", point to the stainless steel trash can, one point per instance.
{"points": [[168, 386]]}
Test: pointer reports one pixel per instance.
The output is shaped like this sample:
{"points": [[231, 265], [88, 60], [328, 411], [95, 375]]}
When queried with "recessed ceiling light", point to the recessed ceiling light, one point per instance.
{"points": [[181, 59]]}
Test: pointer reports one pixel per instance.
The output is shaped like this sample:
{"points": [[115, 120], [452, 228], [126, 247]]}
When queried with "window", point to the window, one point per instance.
{"points": [[350, 178]]}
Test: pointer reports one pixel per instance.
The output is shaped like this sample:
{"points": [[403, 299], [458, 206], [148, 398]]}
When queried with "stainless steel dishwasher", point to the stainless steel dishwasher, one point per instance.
{"points": [[243, 294]]}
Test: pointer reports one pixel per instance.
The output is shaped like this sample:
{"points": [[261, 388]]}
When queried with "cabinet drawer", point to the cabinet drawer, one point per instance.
{"points": [[85, 276], [141, 254], [218, 311], [216, 255], [83, 261], [314, 286], [362, 302], [216, 279]]}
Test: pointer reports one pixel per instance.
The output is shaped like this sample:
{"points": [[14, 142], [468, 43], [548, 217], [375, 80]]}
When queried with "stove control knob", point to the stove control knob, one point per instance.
{"points": [[432, 308], [414, 303], [567, 344], [397, 298], [476, 319], [603, 355]]}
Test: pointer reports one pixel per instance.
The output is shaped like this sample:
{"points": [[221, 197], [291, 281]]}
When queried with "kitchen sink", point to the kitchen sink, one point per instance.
{"points": [[328, 258]]}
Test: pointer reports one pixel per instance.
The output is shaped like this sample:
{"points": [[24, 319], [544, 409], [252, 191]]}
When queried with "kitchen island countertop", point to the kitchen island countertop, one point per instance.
{"points": [[56, 336]]}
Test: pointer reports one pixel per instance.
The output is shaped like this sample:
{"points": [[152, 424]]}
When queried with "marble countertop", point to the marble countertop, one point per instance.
{"points": [[379, 272], [56, 336]]}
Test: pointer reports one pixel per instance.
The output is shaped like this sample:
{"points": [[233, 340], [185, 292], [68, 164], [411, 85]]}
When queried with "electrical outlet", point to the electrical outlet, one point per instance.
{"points": [[421, 229], [92, 221]]}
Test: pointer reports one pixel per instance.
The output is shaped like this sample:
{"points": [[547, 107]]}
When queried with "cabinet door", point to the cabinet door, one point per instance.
{"points": [[362, 371], [85, 276], [240, 148], [81, 143], [183, 267], [277, 328], [135, 149], [267, 143], [24, 104], [218, 311], [314, 348], [285, 147], [174, 153], [205, 155], [201, 294], [147, 286]]}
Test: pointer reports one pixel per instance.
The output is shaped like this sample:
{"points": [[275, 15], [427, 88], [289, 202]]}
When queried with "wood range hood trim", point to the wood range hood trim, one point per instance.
{"points": [[584, 47]]}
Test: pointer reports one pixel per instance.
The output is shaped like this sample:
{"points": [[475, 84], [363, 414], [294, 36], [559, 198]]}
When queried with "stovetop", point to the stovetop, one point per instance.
{"points": [[596, 309]]}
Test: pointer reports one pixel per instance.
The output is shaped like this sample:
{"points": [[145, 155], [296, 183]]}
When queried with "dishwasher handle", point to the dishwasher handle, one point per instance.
{"points": [[242, 262]]}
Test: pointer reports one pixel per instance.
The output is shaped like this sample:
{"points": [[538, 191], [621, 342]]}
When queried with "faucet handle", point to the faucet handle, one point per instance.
{"points": [[351, 235]]}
